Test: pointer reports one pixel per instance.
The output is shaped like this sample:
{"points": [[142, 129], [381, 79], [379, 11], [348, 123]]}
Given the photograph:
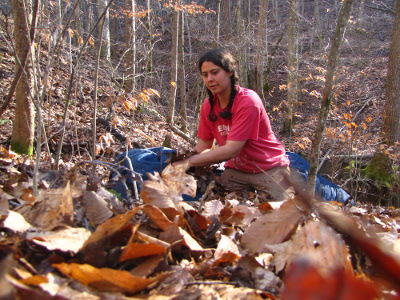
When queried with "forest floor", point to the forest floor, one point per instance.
{"points": [[77, 240]]}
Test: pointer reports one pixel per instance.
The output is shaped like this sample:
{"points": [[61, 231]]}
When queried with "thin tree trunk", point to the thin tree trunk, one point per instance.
{"points": [[391, 122], [23, 124], [261, 47], [96, 85], [217, 26], [181, 71], [71, 80], [130, 45], [293, 66], [226, 12], [316, 32], [105, 42], [326, 95], [174, 67]]}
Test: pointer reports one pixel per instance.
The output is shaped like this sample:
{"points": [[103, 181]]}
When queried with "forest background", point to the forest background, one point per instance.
{"points": [[84, 81], [146, 61]]}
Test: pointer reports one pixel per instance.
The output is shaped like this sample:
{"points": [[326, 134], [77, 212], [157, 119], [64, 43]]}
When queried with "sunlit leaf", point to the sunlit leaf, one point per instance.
{"points": [[135, 250], [105, 279]]}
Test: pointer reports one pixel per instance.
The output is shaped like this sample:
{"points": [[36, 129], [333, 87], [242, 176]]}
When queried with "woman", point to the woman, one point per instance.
{"points": [[236, 118]]}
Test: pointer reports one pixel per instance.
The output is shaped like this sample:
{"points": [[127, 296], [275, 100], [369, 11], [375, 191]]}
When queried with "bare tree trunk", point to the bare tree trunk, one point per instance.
{"points": [[316, 32], [326, 95], [293, 66], [261, 47], [181, 71], [23, 131], [218, 25], [130, 45], [226, 12], [150, 40], [360, 13], [105, 42], [174, 67], [391, 123]]}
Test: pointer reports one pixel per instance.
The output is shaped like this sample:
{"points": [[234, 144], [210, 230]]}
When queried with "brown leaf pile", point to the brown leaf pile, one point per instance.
{"points": [[74, 243]]}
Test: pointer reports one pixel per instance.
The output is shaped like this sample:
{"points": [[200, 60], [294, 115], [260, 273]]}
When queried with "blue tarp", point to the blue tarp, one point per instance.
{"points": [[148, 160], [143, 161], [152, 160], [323, 187]]}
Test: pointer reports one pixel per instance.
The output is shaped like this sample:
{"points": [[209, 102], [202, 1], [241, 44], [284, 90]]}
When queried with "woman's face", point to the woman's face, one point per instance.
{"points": [[216, 79]]}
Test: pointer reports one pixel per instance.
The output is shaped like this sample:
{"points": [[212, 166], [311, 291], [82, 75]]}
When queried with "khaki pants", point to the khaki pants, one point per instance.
{"points": [[274, 182]]}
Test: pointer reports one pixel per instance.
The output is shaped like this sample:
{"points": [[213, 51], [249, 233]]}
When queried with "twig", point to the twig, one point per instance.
{"points": [[61, 141], [211, 283], [136, 176]]}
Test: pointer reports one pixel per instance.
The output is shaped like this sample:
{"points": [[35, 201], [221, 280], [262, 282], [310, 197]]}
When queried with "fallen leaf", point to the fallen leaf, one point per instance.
{"points": [[52, 208], [274, 227], [303, 281], [227, 251], [318, 243], [96, 208], [135, 250], [105, 279], [67, 240]]}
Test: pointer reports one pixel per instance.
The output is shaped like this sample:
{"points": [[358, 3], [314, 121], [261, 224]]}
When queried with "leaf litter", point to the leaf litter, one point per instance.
{"points": [[76, 241]]}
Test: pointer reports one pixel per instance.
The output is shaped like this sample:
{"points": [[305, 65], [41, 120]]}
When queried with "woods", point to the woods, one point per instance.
{"points": [[86, 81]]}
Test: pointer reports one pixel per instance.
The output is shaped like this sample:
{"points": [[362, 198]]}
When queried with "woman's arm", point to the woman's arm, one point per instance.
{"points": [[229, 150], [203, 145]]}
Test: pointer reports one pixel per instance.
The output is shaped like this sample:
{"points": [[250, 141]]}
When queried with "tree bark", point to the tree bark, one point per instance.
{"points": [[261, 47], [391, 125], [217, 26], [293, 66], [181, 71], [130, 45], [226, 12], [105, 42], [174, 67], [326, 95], [23, 131]]}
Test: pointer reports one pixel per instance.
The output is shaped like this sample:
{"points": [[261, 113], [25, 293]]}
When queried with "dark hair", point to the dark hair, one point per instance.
{"points": [[225, 60]]}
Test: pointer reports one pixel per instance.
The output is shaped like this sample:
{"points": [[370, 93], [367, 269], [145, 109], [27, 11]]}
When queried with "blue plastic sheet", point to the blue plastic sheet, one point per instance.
{"points": [[147, 160], [152, 160], [323, 187]]}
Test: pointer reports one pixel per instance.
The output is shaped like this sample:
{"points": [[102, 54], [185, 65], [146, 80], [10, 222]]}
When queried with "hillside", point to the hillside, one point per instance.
{"points": [[78, 239]]}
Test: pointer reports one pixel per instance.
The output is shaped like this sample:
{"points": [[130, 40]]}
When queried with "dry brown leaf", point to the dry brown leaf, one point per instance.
{"points": [[247, 214], [225, 292], [68, 240], [213, 208], [227, 251], [175, 234], [144, 238], [157, 193], [319, 244], [147, 265], [105, 279], [111, 226], [157, 216], [96, 208], [135, 250], [16, 222], [303, 281], [274, 227], [52, 208], [178, 181], [99, 242], [35, 280], [166, 191], [173, 284]]}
